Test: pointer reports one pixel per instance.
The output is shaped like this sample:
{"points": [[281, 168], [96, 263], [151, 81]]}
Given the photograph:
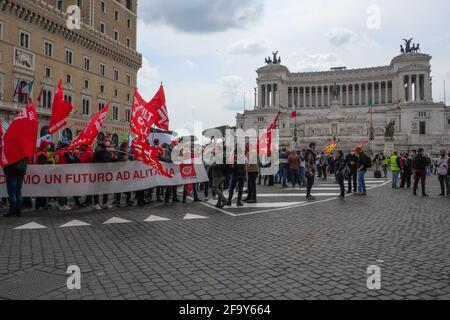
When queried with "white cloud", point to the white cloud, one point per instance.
{"points": [[232, 91], [202, 16], [148, 79], [318, 62], [251, 47], [341, 37], [190, 64]]}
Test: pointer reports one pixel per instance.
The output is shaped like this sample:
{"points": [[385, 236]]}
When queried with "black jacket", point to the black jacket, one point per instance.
{"points": [[239, 171], [101, 155], [218, 171], [17, 169], [420, 162], [352, 158]]}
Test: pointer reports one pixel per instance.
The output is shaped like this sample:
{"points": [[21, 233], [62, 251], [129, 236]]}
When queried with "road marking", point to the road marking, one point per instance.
{"points": [[193, 217], [303, 204], [116, 220], [155, 219], [75, 223], [31, 226], [267, 205], [281, 195]]}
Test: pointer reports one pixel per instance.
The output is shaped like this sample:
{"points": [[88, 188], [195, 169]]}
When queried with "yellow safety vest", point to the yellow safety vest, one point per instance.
{"points": [[394, 165], [385, 161]]}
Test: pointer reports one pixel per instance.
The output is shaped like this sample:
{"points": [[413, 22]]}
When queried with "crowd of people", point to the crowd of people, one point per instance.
{"points": [[300, 168]]}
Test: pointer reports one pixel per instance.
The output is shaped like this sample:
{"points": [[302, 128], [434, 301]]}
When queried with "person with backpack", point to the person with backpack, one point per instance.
{"points": [[395, 168], [342, 172], [364, 163], [14, 176]]}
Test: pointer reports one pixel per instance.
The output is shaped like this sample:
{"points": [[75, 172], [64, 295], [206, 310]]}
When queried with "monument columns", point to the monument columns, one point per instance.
{"points": [[304, 97], [386, 92], [410, 88], [379, 92], [373, 93], [360, 94]]}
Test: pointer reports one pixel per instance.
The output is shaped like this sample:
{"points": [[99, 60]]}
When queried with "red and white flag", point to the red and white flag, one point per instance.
{"points": [[142, 151], [61, 110], [92, 130], [19, 141], [265, 141], [159, 109], [142, 117]]}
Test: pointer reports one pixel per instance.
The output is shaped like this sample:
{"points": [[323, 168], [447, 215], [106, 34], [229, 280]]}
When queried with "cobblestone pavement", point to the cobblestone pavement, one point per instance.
{"points": [[299, 251]]}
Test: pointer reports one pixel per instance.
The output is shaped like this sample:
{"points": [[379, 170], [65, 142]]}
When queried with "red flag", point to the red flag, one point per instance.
{"points": [[60, 111], [142, 117], [158, 107], [19, 141], [142, 151], [266, 139], [90, 133], [39, 98], [294, 112]]}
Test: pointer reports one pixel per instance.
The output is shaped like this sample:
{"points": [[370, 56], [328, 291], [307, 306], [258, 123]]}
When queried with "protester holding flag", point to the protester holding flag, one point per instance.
{"points": [[41, 158]]}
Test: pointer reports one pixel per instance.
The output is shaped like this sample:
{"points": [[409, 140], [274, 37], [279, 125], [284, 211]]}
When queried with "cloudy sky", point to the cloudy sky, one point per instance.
{"points": [[206, 51]]}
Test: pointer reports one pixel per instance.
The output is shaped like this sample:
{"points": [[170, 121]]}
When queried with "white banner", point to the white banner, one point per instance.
{"points": [[105, 178]]}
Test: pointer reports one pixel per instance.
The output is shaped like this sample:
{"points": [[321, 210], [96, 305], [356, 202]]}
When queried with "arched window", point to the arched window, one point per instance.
{"points": [[67, 135], [115, 139], [44, 131], [100, 137]]}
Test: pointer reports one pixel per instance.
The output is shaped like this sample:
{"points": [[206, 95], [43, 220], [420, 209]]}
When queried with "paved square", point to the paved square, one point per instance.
{"points": [[282, 248]]}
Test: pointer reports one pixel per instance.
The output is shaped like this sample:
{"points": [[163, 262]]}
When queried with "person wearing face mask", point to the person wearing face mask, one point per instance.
{"points": [[442, 172]]}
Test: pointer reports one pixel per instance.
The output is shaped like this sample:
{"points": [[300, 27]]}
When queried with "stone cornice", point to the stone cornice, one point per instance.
{"points": [[47, 17]]}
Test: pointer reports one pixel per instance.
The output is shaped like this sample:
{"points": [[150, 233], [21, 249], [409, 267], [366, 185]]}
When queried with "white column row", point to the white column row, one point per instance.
{"points": [[360, 94], [415, 87]]}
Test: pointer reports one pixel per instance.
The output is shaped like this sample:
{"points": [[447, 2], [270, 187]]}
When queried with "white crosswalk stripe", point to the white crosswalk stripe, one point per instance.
{"points": [[322, 190]]}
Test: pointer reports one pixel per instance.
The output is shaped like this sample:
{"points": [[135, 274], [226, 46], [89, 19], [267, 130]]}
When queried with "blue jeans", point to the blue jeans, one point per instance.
{"points": [[14, 187], [284, 174], [295, 177], [395, 175], [302, 177], [362, 182]]}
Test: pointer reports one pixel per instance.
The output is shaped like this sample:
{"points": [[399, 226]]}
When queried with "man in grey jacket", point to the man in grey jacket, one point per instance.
{"points": [[442, 172]]}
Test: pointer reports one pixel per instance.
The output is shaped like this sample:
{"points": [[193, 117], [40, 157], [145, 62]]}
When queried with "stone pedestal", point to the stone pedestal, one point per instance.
{"points": [[389, 146]]}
